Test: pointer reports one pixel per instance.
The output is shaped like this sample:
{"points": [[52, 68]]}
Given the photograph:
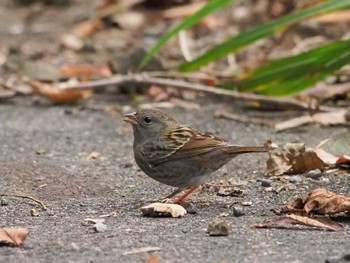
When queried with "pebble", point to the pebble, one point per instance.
{"points": [[338, 259], [4, 202], [314, 174], [247, 203], [238, 211], [34, 213], [100, 227], [219, 227], [265, 182], [295, 179]]}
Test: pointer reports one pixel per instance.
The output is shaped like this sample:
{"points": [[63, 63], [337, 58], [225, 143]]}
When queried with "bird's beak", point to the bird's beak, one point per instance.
{"points": [[130, 118]]}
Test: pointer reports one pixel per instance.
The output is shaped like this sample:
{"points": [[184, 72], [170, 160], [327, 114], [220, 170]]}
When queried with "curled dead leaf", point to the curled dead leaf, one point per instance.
{"points": [[318, 222], [292, 159], [12, 236], [319, 201]]}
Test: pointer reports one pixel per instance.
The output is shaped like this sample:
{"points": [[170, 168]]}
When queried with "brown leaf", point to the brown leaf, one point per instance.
{"points": [[58, 95], [322, 222], [152, 259], [319, 201], [292, 159], [88, 28], [12, 236], [343, 160], [85, 72]]}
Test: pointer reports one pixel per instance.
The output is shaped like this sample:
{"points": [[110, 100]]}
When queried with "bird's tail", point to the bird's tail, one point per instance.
{"points": [[233, 149]]}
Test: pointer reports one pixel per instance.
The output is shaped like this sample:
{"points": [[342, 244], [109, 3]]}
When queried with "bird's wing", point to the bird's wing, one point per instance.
{"points": [[180, 142]]}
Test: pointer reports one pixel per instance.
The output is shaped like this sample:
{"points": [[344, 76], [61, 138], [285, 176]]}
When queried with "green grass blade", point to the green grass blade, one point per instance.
{"points": [[293, 74], [209, 8], [245, 38]]}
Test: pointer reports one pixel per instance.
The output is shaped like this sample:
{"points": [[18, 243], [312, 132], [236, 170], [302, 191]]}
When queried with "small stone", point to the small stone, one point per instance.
{"points": [[34, 212], [314, 174], [100, 227], [230, 191], [224, 214], [295, 179], [219, 227], [247, 203], [338, 259], [41, 151], [238, 211], [4, 202], [269, 189], [125, 165], [265, 182], [191, 209]]}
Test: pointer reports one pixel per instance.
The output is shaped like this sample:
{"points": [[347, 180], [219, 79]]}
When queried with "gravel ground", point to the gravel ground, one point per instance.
{"points": [[43, 154]]}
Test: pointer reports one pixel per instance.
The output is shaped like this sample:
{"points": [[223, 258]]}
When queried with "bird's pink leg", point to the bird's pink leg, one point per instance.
{"points": [[181, 199], [178, 190]]}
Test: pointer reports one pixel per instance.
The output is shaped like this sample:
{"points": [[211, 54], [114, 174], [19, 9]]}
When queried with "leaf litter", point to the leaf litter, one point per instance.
{"points": [[296, 158], [302, 210]]}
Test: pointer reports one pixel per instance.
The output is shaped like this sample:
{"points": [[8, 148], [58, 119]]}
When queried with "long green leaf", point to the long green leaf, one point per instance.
{"points": [[245, 38], [209, 8], [293, 74]]}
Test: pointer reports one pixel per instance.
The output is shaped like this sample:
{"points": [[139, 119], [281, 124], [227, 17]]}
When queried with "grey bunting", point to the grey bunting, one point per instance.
{"points": [[176, 154]]}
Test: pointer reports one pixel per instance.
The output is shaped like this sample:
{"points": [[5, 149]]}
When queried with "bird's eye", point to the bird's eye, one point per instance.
{"points": [[147, 120]]}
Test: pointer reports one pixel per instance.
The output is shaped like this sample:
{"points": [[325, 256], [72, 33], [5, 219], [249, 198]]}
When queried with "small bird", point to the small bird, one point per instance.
{"points": [[176, 154]]}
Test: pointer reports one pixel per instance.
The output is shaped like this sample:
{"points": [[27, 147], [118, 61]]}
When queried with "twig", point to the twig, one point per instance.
{"points": [[141, 250], [244, 119], [44, 207], [180, 84]]}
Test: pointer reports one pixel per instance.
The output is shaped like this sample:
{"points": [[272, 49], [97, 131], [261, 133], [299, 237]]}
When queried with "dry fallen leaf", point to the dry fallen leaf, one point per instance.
{"points": [[58, 95], [292, 159], [85, 72], [12, 236], [319, 222], [152, 259], [319, 201], [162, 209]]}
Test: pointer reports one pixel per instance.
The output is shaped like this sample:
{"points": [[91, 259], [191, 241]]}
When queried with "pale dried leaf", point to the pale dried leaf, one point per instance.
{"points": [[320, 222], [163, 209], [12, 236], [330, 118]]}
